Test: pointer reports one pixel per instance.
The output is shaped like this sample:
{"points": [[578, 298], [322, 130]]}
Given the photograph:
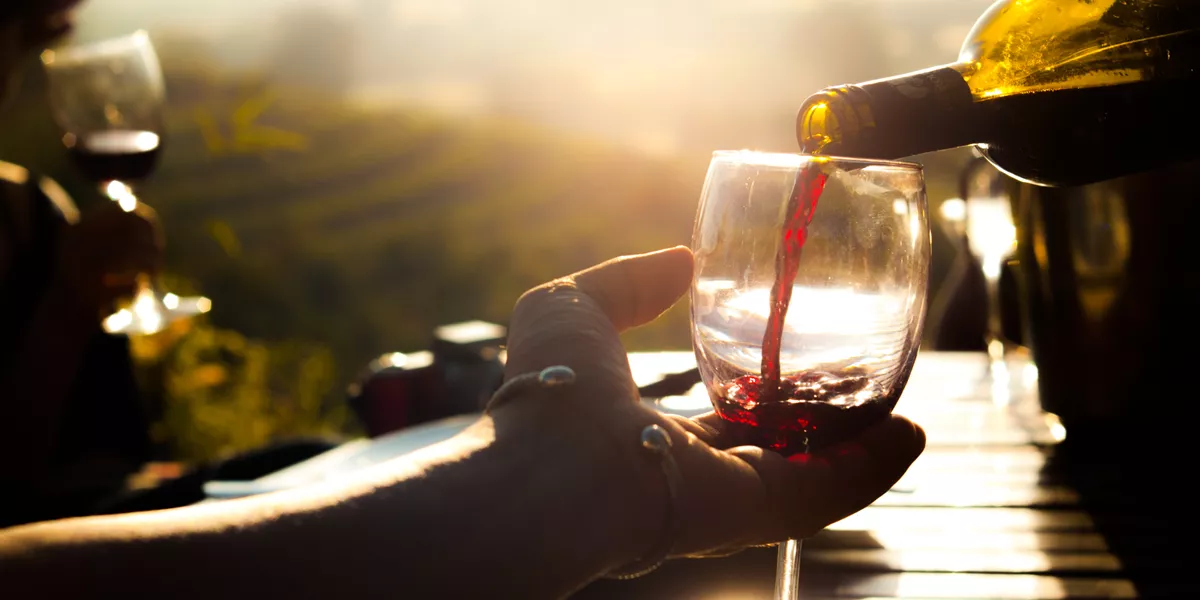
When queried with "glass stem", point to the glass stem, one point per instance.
{"points": [[120, 193], [995, 323], [787, 571]]}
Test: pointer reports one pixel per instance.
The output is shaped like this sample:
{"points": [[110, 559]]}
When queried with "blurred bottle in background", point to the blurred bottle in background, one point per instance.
{"points": [[456, 376]]}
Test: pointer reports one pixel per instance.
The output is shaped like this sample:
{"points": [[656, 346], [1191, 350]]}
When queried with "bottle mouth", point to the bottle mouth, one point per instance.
{"points": [[793, 160]]}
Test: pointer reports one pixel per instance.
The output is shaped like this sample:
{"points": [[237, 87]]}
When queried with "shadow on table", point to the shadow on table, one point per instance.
{"points": [[189, 488], [1141, 501], [750, 575]]}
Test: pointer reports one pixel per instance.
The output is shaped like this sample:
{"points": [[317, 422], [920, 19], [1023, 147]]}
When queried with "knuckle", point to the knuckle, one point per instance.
{"points": [[553, 290]]}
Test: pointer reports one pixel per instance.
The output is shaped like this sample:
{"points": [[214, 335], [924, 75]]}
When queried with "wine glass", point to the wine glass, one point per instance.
{"points": [[807, 305], [108, 98], [991, 237]]}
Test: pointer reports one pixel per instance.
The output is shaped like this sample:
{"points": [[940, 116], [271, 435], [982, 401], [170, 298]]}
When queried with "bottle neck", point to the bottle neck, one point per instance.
{"points": [[890, 118]]}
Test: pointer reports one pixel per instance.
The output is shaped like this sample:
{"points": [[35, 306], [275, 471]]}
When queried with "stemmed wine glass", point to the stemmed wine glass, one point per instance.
{"points": [[991, 237], [108, 98], [807, 303]]}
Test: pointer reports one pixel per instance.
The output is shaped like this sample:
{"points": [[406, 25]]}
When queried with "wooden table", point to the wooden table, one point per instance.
{"points": [[996, 508]]}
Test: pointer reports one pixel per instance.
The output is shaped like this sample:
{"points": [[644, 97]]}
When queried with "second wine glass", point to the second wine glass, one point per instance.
{"points": [[108, 98], [808, 298], [991, 239]]}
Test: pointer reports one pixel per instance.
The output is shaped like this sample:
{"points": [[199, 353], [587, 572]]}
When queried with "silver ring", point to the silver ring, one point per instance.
{"points": [[549, 379]]}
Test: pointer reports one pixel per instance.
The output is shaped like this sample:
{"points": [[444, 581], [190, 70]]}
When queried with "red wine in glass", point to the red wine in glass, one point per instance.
{"points": [[120, 155], [810, 183], [809, 411]]}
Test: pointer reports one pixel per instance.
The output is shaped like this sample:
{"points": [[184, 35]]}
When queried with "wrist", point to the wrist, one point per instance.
{"points": [[616, 493]]}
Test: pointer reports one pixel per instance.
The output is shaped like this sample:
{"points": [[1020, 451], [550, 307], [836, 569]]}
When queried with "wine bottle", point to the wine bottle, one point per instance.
{"points": [[1053, 92]]}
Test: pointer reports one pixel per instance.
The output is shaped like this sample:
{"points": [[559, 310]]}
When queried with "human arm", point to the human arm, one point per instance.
{"points": [[533, 501]]}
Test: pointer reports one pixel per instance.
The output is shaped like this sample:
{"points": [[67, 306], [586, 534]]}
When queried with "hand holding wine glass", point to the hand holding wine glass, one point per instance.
{"points": [[734, 496], [108, 98], [102, 257]]}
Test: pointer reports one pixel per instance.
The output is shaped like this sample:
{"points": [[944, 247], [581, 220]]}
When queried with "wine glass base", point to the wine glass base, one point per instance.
{"points": [[145, 318]]}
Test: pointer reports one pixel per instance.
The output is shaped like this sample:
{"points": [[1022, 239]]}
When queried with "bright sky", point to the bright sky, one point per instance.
{"points": [[642, 71]]}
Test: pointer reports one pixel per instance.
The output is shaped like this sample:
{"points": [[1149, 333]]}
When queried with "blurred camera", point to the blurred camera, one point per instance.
{"points": [[458, 373]]}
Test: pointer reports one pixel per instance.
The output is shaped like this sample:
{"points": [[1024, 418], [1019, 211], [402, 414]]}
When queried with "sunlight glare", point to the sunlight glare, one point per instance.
{"points": [[1029, 375], [1054, 424], [954, 210], [146, 310], [116, 189], [991, 233], [118, 321], [945, 585], [1001, 378], [836, 310], [696, 401], [122, 194]]}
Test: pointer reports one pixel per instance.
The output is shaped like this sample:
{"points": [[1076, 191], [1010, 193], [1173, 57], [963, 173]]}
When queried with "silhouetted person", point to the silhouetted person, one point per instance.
{"points": [[71, 422]]}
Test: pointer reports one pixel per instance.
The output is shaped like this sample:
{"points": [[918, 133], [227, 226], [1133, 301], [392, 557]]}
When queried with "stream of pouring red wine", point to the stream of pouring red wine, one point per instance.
{"points": [[803, 412], [810, 182]]}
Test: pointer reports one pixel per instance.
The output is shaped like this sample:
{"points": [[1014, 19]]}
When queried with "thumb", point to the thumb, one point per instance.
{"points": [[633, 290], [575, 321]]}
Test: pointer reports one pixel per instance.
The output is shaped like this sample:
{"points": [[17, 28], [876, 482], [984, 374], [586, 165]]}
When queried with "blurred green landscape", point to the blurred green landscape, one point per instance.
{"points": [[338, 233]]}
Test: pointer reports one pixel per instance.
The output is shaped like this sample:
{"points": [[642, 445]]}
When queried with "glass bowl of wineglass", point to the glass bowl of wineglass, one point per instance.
{"points": [[808, 298], [108, 98]]}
